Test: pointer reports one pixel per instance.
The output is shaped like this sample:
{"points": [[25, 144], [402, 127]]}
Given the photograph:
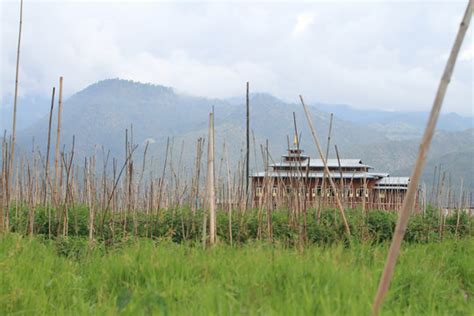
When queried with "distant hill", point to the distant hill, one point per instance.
{"points": [[98, 116], [398, 125], [30, 109]]}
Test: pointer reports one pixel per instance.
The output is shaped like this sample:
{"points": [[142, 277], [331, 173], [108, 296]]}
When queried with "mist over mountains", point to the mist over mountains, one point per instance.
{"points": [[98, 116]]}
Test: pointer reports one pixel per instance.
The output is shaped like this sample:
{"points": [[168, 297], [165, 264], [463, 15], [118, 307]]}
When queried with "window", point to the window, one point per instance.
{"points": [[259, 191], [301, 191], [318, 190], [382, 194], [360, 192], [274, 191], [329, 192], [347, 191]]}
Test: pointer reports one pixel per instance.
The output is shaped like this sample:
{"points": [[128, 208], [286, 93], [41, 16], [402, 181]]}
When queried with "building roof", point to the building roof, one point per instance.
{"points": [[393, 181], [314, 175], [318, 163]]}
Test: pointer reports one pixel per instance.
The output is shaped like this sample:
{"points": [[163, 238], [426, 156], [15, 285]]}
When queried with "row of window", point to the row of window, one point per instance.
{"points": [[317, 191]]}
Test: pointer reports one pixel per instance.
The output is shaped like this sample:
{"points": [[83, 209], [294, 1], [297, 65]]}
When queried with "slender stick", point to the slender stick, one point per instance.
{"points": [[340, 173], [210, 182], [15, 97], [425, 144], [46, 167], [247, 153], [58, 140], [9, 175], [326, 169], [459, 208]]}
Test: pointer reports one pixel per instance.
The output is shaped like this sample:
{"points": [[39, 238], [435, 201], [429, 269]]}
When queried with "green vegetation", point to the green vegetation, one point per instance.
{"points": [[68, 276], [180, 225], [155, 264]]}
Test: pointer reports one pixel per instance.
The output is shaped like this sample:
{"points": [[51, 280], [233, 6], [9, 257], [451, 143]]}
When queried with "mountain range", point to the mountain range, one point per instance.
{"points": [[98, 116]]}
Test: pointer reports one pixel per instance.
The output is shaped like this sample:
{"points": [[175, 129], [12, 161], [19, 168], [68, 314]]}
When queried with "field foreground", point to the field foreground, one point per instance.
{"points": [[142, 277]]}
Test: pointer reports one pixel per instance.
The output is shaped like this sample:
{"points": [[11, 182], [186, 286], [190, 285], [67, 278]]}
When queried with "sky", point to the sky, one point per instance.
{"points": [[385, 55]]}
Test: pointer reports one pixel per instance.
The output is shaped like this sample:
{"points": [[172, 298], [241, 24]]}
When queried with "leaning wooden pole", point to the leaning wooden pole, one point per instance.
{"points": [[326, 169], [247, 153], [58, 142], [211, 194], [15, 97], [46, 166], [11, 166], [425, 144]]}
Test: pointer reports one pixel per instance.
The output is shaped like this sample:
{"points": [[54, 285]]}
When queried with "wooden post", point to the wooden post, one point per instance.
{"points": [[58, 141], [9, 174], [459, 208], [210, 182], [341, 174], [326, 169], [15, 97], [418, 168], [247, 154], [46, 167]]}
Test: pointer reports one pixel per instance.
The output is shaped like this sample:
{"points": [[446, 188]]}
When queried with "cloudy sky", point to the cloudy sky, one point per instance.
{"points": [[387, 55]]}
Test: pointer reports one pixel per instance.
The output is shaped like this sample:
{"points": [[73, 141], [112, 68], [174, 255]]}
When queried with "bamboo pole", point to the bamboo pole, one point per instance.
{"points": [[230, 199], [323, 195], [341, 180], [247, 153], [15, 97], [46, 167], [210, 182], [9, 173], [326, 169], [425, 144], [58, 141], [459, 208]]}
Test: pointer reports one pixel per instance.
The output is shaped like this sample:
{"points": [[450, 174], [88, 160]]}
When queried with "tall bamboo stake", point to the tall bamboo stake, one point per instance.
{"points": [[210, 182], [247, 153], [229, 196], [12, 144], [58, 141], [323, 185], [459, 208], [46, 167], [425, 144], [326, 169]]}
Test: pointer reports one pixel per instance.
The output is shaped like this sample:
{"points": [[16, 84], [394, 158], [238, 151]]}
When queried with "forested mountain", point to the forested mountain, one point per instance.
{"points": [[99, 115]]}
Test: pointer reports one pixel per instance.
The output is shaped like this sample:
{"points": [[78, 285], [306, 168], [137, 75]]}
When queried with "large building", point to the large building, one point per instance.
{"points": [[300, 177]]}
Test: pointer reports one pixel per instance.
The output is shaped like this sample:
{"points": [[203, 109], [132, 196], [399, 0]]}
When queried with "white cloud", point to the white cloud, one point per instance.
{"points": [[367, 55], [467, 54], [303, 21]]}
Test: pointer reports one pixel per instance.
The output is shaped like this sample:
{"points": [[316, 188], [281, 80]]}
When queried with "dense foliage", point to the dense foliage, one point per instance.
{"points": [[69, 276], [181, 225]]}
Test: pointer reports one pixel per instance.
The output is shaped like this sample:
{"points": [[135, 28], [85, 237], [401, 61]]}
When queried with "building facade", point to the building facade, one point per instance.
{"points": [[302, 178]]}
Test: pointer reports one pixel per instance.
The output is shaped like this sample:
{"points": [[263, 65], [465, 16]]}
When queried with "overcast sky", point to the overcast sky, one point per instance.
{"points": [[387, 55]]}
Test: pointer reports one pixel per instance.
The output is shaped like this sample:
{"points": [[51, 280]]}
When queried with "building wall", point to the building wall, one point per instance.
{"points": [[282, 191]]}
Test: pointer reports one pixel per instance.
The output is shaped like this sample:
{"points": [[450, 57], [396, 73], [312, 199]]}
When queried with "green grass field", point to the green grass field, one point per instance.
{"points": [[68, 277]]}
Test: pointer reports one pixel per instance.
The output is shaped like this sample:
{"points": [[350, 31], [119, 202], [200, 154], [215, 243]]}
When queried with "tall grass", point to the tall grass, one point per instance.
{"points": [[66, 276]]}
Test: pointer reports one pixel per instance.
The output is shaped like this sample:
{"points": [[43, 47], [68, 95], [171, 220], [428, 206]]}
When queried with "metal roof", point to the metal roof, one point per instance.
{"points": [[401, 188], [389, 181], [313, 175], [318, 163]]}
